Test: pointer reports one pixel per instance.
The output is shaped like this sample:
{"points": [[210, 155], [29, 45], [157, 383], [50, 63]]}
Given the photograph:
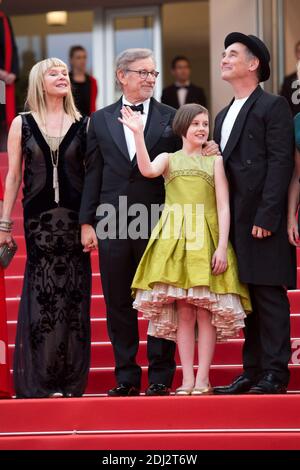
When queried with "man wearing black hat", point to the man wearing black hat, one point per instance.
{"points": [[255, 133]]}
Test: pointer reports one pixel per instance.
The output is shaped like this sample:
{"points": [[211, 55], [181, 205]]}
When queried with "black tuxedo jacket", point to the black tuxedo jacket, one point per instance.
{"points": [[195, 95], [259, 161], [109, 172]]}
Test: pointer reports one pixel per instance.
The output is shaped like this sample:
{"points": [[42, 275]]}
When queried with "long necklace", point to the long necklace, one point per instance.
{"points": [[54, 153]]}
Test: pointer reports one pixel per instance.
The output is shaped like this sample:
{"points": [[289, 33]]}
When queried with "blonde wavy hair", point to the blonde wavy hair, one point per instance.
{"points": [[36, 100]]}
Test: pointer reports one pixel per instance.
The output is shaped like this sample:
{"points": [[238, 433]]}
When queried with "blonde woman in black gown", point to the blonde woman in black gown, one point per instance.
{"points": [[52, 352]]}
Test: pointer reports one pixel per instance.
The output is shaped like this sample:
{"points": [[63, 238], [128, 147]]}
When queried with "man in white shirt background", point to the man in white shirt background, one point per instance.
{"points": [[182, 91]]}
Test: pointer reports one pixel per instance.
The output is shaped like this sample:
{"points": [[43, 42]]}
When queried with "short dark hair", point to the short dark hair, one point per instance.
{"points": [[178, 58], [185, 116], [251, 55], [74, 49]]}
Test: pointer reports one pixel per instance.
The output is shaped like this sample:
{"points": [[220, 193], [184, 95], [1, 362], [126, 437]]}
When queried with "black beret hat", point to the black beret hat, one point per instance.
{"points": [[257, 47]]}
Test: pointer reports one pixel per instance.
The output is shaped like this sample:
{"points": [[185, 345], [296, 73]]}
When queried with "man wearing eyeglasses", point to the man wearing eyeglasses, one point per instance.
{"points": [[112, 172]]}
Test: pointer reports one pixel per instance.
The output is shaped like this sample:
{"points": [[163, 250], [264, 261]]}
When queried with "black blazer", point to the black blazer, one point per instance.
{"points": [[195, 95], [259, 161], [109, 171]]}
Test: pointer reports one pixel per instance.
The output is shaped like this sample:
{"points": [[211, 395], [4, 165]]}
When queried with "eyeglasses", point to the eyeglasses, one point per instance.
{"points": [[144, 74]]}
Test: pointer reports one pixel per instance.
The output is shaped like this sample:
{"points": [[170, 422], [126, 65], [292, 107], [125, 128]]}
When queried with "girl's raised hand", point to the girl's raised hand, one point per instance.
{"points": [[132, 119]]}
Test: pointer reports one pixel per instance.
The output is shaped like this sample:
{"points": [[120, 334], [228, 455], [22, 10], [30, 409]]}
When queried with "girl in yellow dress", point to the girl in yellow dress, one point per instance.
{"points": [[187, 279]]}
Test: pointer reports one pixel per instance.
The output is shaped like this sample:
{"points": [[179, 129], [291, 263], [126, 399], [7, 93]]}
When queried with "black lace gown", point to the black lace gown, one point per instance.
{"points": [[52, 351]]}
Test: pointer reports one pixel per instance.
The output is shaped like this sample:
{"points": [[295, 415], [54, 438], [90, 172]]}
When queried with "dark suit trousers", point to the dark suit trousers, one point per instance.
{"points": [[267, 345], [118, 262]]}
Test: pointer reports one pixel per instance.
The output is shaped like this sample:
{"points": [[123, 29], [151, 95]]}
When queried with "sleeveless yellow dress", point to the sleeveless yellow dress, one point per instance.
{"points": [[177, 261]]}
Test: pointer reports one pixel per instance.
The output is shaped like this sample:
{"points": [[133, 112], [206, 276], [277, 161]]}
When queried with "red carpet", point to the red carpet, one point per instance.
{"points": [[253, 422], [152, 423]]}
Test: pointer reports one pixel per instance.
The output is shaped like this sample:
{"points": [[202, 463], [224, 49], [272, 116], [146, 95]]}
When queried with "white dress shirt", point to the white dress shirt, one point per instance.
{"points": [[230, 119], [128, 133], [182, 93]]}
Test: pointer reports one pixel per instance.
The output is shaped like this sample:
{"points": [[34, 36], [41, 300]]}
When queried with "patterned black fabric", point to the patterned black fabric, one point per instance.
{"points": [[53, 335]]}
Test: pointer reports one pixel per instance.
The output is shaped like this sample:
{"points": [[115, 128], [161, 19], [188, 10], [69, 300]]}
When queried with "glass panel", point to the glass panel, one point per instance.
{"points": [[133, 31], [36, 40], [26, 44], [58, 45], [30, 52]]}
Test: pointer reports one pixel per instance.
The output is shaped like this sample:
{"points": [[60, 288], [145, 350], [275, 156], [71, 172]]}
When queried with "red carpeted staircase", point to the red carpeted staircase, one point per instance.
{"points": [[98, 422]]}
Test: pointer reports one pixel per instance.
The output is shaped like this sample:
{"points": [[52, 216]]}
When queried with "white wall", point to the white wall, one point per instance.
{"points": [[225, 17]]}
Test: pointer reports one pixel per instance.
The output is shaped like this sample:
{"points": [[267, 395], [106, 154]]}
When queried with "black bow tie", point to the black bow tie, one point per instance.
{"points": [[179, 87], [139, 107]]}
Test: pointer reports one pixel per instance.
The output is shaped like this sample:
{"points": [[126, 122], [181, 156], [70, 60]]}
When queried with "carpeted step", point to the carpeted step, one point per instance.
{"points": [[97, 307], [14, 284], [202, 419], [100, 380], [99, 329], [213, 440], [225, 353], [17, 266]]}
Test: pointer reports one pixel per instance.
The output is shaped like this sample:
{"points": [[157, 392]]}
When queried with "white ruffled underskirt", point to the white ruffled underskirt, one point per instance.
{"points": [[159, 306]]}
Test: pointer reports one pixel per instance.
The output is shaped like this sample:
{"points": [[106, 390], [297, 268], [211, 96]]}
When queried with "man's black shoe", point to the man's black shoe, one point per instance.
{"points": [[268, 384], [157, 390], [124, 390], [241, 384]]}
